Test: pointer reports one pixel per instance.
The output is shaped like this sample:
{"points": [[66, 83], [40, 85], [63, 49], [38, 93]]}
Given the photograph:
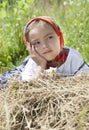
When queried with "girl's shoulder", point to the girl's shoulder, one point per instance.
{"points": [[73, 53]]}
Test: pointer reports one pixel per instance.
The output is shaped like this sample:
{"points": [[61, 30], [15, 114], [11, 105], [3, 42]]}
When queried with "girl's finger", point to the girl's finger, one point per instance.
{"points": [[38, 53], [32, 52]]}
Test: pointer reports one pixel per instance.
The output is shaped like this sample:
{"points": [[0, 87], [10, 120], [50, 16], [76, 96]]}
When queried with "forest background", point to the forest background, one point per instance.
{"points": [[71, 15]]}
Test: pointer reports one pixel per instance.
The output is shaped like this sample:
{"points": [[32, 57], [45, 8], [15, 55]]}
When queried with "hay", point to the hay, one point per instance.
{"points": [[51, 104]]}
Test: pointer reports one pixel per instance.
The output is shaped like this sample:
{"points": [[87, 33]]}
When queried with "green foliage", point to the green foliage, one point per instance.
{"points": [[76, 26], [12, 23], [71, 15]]}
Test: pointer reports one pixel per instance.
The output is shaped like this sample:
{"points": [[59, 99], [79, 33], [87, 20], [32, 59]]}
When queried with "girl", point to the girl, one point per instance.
{"points": [[45, 44]]}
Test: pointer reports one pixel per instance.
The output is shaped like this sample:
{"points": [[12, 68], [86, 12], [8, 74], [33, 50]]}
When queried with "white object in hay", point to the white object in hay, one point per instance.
{"points": [[51, 72]]}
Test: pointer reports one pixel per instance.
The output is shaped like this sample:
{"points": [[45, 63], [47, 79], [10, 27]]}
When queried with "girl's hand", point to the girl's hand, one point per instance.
{"points": [[41, 61]]}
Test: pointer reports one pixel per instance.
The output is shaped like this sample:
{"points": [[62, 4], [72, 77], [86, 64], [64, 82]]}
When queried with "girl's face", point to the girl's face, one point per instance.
{"points": [[45, 41]]}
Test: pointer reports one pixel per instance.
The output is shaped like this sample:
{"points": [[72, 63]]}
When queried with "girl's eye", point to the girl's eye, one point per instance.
{"points": [[37, 42], [50, 37]]}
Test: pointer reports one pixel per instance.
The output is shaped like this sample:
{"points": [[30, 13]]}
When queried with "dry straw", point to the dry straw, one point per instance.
{"points": [[48, 104]]}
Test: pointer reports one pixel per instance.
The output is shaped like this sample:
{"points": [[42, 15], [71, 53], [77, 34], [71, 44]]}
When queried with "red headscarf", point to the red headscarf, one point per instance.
{"points": [[51, 22]]}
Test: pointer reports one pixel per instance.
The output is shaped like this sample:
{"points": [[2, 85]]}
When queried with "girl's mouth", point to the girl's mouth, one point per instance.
{"points": [[46, 52]]}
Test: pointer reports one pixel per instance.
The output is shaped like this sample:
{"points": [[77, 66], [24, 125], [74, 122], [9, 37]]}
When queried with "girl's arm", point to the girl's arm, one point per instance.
{"points": [[6, 77]]}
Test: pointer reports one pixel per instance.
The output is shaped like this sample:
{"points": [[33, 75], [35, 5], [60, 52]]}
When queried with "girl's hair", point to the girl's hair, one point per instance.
{"points": [[42, 19]]}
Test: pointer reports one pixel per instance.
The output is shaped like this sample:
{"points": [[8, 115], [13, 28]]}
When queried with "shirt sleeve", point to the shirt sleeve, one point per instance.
{"points": [[31, 71], [6, 77], [78, 64], [73, 65]]}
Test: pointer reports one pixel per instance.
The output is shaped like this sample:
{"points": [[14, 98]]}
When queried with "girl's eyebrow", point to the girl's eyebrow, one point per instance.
{"points": [[48, 34]]}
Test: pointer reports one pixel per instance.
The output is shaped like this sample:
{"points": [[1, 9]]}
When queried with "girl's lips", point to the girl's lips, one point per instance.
{"points": [[46, 52]]}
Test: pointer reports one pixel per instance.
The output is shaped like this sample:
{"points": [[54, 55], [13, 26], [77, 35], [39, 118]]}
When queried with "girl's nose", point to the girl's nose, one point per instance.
{"points": [[44, 44]]}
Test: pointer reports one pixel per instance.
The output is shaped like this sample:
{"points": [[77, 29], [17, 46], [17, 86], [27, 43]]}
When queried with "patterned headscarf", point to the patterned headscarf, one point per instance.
{"points": [[51, 22]]}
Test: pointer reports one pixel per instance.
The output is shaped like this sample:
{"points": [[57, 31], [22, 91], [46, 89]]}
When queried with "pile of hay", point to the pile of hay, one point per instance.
{"points": [[49, 104]]}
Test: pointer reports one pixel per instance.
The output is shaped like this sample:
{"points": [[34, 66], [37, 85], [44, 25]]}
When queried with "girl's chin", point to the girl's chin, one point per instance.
{"points": [[49, 58]]}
